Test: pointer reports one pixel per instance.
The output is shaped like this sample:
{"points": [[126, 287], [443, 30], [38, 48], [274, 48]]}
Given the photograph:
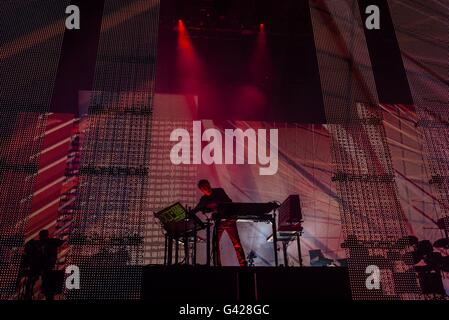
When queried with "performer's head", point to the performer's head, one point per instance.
{"points": [[43, 234], [204, 186]]}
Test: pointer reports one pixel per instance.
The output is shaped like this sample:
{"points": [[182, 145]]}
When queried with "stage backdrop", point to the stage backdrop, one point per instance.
{"points": [[305, 168]]}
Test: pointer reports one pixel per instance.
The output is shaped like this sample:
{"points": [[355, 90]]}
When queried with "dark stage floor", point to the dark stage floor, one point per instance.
{"points": [[201, 283]]}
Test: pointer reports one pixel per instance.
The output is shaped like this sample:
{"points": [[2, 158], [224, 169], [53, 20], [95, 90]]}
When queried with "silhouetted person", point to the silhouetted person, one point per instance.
{"points": [[40, 260]]}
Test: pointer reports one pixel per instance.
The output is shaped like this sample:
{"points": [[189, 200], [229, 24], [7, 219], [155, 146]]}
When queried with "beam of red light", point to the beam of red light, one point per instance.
{"points": [[188, 65], [181, 26], [261, 38], [184, 42], [260, 63]]}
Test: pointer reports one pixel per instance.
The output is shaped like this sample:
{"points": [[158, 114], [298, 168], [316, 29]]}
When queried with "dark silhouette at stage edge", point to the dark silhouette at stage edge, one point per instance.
{"points": [[39, 261]]}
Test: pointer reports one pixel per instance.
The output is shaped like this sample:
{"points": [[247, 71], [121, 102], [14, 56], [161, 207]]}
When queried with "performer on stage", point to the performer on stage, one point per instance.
{"points": [[208, 203]]}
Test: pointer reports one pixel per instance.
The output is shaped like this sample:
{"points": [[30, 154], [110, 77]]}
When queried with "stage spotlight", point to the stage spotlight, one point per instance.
{"points": [[262, 27], [181, 26]]}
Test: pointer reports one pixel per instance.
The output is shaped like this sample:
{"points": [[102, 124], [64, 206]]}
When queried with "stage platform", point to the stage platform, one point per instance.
{"points": [[224, 284]]}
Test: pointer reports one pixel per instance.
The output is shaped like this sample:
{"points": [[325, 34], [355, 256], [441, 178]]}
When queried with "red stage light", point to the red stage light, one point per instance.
{"points": [[188, 66], [181, 27], [260, 61]]}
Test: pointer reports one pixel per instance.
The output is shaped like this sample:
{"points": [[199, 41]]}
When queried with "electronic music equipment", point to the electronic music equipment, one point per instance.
{"points": [[289, 225], [248, 211], [289, 214], [174, 213], [179, 226], [243, 210]]}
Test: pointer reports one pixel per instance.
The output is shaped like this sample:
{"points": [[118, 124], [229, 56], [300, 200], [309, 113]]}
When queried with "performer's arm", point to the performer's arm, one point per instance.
{"points": [[199, 207]]}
